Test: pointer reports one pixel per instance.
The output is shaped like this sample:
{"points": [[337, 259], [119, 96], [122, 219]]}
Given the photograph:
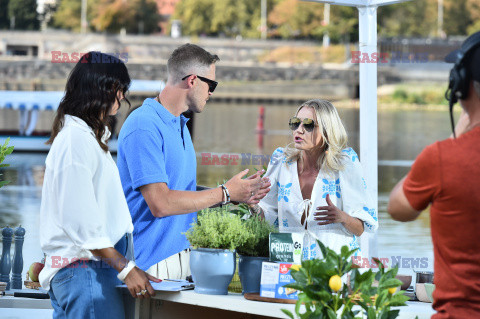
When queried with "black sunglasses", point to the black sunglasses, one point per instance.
{"points": [[211, 83], [308, 124]]}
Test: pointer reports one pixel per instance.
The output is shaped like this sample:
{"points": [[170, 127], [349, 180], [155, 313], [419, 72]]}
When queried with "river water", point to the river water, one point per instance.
{"points": [[229, 129]]}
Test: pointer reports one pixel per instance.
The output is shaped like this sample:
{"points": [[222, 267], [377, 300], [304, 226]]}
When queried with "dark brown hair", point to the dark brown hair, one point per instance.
{"points": [[91, 91]]}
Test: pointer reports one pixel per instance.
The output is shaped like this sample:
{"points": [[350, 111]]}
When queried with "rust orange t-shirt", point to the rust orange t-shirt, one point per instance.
{"points": [[447, 175]]}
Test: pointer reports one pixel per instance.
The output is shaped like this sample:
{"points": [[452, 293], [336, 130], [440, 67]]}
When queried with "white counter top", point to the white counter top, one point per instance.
{"points": [[237, 303], [165, 303], [231, 302]]}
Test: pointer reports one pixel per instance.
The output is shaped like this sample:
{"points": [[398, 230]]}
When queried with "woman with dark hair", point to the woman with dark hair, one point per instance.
{"points": [[85, 224]]}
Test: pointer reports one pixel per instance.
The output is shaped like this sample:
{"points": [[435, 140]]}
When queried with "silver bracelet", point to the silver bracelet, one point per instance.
{"points": [[226, 193]]}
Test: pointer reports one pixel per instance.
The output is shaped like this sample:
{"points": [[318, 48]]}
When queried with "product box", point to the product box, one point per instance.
{"points": [[286, 247], [274, 277]]}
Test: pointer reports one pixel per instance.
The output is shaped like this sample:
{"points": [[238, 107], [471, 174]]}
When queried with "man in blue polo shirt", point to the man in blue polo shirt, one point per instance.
{"points": [[157, 165]]}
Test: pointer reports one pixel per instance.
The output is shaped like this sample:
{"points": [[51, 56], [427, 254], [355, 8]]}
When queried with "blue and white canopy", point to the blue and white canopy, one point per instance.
{"points": [[49, 100], [30, 100]]}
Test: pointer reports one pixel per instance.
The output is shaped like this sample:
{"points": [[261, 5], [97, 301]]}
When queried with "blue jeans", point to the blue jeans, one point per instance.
{"points": [[88, 290]]}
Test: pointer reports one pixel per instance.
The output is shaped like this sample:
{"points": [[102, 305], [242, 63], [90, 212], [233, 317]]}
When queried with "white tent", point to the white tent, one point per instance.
{"points": [[49, 100]]}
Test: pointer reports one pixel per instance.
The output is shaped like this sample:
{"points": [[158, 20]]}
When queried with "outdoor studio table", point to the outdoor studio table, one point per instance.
{"points": [[186, 304], [189, 304]]}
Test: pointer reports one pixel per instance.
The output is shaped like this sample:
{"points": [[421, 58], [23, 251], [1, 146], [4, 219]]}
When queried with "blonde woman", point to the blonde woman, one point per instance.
{"points": [[317, 183]]}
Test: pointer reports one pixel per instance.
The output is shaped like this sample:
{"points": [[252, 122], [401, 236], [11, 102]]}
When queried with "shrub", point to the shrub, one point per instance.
{"points": [[217, 228], [400, 95], [4, 151], [416, 98], [324, 294], [257, 245]]}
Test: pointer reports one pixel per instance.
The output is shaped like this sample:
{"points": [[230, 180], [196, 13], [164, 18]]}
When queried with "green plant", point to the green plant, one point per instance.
{"points": [[218, 228], [241, 210], [4, 151], [317, 279], [257, 245], [400, 95]]}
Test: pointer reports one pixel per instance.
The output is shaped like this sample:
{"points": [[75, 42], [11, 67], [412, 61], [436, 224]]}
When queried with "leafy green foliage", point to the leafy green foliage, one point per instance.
{"points": [[4, 151], [240, 210], [220, 17], [231, 227], [68, 14], [257, 246], [217, 228], [4, 19], [25, 14], [299, 19], [421, 97], [136, 16], [312, 279]]}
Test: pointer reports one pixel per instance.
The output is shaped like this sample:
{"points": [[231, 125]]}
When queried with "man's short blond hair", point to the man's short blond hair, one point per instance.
{"points": [[189, 59]]}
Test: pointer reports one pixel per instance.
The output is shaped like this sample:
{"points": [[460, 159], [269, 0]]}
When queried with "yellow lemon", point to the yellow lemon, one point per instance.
{"points": [[335, 283], [392, 290], [296, 267]]}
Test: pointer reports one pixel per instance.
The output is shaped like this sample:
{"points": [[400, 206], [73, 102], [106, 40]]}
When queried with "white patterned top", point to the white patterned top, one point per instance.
{"points": [[284, 204]]}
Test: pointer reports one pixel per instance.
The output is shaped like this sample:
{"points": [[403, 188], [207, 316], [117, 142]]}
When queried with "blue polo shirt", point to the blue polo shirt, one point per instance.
{"points": [[154, 146]]}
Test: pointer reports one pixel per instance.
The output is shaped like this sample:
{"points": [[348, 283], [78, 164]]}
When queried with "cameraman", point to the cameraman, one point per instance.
{"points": [[446, 175]]}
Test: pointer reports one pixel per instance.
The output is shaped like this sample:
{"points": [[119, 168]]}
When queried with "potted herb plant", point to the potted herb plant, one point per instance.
{"points": [[214, 239], [4, 151], [325, 295], [253, 252]]}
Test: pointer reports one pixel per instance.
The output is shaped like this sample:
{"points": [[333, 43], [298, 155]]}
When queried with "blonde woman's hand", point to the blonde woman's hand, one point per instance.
{"points": [[241, 190], [329, 214], [262, 191]]}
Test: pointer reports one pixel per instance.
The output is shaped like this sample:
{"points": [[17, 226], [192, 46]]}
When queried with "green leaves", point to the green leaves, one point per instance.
{"points": [[226, 228], [288, 313], [217, 228], [25, 14], [109, 15], [4, 151], [369, 290], [398, 299]]}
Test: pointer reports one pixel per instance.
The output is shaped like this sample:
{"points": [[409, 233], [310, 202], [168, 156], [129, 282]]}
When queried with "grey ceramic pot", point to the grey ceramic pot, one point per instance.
{"points": [[212, 270], [250, 271]]}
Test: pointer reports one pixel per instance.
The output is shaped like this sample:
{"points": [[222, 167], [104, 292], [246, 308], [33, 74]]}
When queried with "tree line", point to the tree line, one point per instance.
{"points": [[135, 16], [288, 19], [296, 19]]}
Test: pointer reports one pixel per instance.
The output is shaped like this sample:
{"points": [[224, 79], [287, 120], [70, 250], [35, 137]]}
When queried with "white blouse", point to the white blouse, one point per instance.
{"points": [[284, 204], [83, 206]]}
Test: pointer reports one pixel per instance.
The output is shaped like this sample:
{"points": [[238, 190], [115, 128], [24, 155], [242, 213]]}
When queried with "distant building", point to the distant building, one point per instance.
{"points": [[166, 8]]}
